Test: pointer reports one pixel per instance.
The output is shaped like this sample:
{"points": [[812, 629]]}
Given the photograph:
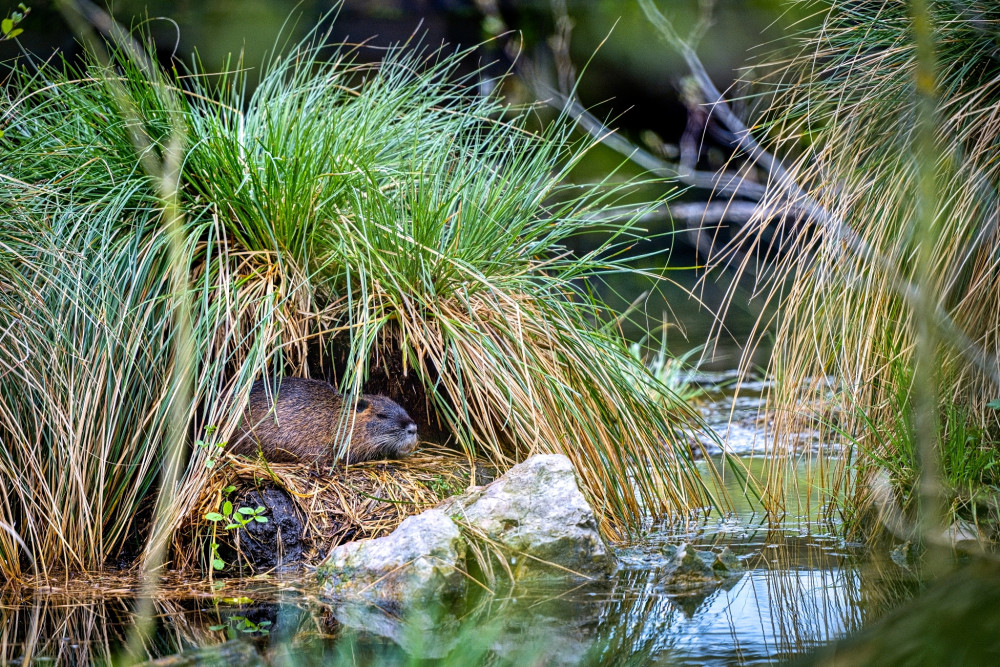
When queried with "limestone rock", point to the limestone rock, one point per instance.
{"points": [[421, 561], [537, 512]]}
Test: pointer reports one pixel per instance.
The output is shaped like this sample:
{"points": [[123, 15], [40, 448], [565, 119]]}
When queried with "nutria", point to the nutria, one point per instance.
{"points": [[304, 424]]}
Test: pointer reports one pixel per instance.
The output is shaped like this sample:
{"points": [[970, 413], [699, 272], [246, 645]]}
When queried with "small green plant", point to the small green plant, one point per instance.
{"points": [[442, 487], [214, 448], [237, 625], [9, 29], [217, 562], [234, 520], [8, 26], [238, 519]]}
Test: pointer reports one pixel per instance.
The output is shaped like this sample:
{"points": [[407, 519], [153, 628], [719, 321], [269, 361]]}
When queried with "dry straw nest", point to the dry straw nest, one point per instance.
{"points": [[349, 502]]}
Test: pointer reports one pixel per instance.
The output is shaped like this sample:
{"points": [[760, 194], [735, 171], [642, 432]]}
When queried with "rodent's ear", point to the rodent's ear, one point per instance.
{"points": [[361, 405]]}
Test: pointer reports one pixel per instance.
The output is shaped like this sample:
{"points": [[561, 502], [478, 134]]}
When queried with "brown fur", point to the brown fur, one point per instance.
{"points": [[303, 425]]}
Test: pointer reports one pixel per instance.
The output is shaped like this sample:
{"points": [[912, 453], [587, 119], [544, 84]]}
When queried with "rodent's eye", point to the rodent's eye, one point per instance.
{"points": [[382, 415], [362, 405]]}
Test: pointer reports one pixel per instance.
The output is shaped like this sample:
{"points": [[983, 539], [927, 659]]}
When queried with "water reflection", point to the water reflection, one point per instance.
{"points": [[796, 592], [76, 633]]}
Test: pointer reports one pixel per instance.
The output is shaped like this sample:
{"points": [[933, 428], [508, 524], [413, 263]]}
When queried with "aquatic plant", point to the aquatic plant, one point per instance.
{"points": [[385, 217]]}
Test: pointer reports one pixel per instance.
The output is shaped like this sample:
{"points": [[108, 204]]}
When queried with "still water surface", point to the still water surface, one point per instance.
{"points": [[797, 591]]}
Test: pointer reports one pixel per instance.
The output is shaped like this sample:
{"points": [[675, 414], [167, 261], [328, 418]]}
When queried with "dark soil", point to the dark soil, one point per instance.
{"points": [[277, 543]]}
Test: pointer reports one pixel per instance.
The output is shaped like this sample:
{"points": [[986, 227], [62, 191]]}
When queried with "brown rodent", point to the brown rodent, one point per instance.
{"points": [[303, 425]]}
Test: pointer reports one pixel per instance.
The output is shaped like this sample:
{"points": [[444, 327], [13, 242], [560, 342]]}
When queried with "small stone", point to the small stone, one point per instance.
{"points": [[689, 568], [726, 563], [962, 534], [904, 555]]}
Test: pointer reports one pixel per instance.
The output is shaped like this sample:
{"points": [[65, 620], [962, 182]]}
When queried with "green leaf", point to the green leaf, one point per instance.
{"points": [[209, 463], [227, 508], [15, 33], [218, 563], [260, 519], [260, 509], [245, 510], [995, 404], [214, 516], [229, 489], [213, 628], [6, 26], [232, 525]]}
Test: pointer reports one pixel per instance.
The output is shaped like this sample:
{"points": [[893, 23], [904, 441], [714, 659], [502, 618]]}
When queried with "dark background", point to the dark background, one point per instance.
{"points": [[630, 73]]}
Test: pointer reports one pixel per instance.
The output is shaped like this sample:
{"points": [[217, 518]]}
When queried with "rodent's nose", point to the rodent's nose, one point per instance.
{"points": [[411, 428]]}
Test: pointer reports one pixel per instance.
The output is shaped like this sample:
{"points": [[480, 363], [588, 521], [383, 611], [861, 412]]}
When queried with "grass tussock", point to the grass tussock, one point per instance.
{"points": [[343, 219], [853, 312]]}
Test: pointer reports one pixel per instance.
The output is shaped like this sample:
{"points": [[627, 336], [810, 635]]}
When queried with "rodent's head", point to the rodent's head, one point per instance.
{"points": [[388, 429]]}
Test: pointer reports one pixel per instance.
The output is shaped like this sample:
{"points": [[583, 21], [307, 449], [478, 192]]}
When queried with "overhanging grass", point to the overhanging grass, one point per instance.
{"points": [[387, 211]]}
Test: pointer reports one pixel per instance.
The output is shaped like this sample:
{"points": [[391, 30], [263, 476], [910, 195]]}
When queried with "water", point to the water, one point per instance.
{"points": [[797, 591], [799, 585]]}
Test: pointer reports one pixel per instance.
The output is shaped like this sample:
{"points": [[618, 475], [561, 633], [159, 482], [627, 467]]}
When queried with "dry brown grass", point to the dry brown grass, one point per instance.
{"points": [[349, 502]]}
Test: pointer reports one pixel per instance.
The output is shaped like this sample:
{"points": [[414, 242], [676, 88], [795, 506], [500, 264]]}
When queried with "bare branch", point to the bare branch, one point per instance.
{"points": [[725, 183]]}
